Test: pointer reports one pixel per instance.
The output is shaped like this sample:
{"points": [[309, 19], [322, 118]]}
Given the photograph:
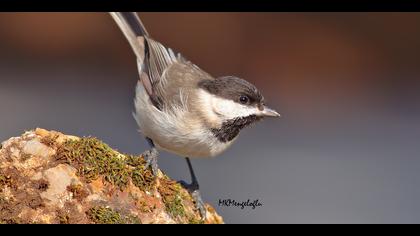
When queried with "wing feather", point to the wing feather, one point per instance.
{"points": [[153, 59]]}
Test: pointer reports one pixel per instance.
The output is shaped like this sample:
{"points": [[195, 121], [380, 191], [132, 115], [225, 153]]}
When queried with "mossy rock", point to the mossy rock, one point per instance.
{"points": [[57, 178]]}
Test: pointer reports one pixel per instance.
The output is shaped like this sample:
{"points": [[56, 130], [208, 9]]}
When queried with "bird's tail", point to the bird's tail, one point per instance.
{"points": [[133, 29]]}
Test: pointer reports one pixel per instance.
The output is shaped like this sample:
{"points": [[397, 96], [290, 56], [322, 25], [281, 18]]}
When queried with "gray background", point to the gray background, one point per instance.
{"points": [[347, 84]]}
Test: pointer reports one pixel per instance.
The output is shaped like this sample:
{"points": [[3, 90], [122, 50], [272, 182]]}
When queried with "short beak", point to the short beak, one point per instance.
{"points": [[269, 112]]}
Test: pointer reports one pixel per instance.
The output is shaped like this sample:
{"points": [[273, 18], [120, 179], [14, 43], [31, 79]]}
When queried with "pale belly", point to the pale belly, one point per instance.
{"points": [[174, 133]]}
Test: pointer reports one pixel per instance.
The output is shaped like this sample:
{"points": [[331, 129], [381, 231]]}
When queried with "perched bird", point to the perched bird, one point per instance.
{"points": [[181, 108]]}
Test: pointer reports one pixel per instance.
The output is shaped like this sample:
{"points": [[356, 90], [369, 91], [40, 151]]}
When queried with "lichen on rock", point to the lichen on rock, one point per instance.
{"points": [[49, 177]]}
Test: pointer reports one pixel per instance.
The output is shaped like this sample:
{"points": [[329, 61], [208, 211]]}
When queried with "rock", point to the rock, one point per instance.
{"points": [[49, 177]]}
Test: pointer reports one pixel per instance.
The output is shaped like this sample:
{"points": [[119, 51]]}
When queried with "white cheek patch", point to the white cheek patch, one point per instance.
{"points": [[230, 109], [225, 108]]}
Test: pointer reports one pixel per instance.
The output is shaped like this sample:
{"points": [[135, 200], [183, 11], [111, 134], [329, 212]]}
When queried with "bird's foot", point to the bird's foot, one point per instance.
{"points": [[198, 201], [151, 157]]}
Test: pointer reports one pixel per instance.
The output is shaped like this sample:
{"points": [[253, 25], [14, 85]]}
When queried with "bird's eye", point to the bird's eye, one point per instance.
{"points": [[244, 99]]}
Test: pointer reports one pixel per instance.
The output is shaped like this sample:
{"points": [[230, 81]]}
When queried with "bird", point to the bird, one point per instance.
{"points": [[181, 109]]}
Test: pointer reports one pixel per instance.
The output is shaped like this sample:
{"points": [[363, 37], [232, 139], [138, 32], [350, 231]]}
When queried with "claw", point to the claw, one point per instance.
{"points": [[199, 204], [151, 157], [195, 194]]}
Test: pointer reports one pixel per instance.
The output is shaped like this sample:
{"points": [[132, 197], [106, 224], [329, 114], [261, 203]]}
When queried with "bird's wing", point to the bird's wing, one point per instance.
{"points": [[166, 74], [158, 59], [153, 59]]}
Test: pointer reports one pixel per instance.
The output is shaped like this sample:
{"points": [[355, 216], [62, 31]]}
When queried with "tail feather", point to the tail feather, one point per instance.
{"points": [[133, 29]]}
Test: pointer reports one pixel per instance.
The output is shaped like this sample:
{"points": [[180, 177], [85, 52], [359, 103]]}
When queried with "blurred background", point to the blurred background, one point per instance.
{"points": [[347, 84]]}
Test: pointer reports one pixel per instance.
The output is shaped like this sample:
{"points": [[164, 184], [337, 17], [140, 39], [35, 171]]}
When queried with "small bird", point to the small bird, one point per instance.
{"points": [[182, 109]]}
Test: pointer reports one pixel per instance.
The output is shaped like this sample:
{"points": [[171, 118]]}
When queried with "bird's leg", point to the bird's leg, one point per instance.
{"points": [[194, 189], [151, 157]]}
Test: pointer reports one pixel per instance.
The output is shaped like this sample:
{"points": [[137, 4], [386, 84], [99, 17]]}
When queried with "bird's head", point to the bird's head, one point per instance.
{"points": [[231, 103]]}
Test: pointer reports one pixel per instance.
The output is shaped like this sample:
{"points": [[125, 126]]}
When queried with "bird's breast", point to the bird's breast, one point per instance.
{"points": [[176, 130]]}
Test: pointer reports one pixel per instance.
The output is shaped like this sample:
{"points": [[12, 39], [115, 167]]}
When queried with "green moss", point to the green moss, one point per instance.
{"points": [[175, 206], [134, 161], [194, 221], [105, 215], [142, 179], [94, 158], [172, 197]]}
